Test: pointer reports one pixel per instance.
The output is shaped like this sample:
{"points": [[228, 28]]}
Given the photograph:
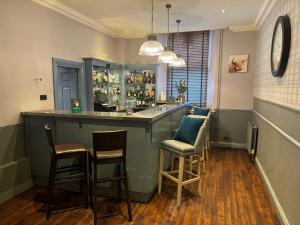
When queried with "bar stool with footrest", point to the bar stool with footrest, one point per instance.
{"points": [[73, 173], [188, 141], [207, 114], [109, 147]]}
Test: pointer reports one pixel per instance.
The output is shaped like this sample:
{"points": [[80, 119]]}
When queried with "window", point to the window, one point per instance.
{"points": [[194, 48]]}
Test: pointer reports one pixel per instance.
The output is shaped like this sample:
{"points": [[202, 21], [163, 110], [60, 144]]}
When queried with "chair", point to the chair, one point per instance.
{"points": [[109, 147], [79, 171], [207, 140], [182, 150]]}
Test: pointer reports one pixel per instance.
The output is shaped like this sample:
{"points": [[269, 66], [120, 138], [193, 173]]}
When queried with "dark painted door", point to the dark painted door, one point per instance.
{"points": [[67, 87]]}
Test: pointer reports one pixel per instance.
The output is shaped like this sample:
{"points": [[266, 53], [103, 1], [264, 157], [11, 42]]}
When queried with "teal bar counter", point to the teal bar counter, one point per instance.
{"points": [[145, 130]]}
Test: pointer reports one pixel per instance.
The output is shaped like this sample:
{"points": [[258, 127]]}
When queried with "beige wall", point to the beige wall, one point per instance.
{"points": [[236, 89], [30, 36]]}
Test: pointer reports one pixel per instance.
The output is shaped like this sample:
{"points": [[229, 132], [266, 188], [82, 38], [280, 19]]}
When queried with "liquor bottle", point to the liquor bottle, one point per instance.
{"points": [[132, 78], [153, 78], [129, 79], [145, 77], [149, 78], [153, 93]]}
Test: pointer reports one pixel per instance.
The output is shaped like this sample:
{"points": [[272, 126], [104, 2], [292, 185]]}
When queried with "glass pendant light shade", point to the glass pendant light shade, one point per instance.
{"points": [[178, 62], [152, 47], [167, 56]]}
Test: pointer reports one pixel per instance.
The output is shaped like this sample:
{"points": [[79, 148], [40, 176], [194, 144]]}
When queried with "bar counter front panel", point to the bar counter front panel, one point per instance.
{"points": [[145, 130]]}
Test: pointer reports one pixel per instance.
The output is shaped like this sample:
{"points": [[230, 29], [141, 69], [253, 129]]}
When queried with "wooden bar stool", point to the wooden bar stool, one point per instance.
{"points": [[72, 173], [182, 150], [109, 147]]}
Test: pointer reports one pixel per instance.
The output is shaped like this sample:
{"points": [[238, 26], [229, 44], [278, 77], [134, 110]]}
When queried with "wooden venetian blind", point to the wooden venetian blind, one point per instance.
{"points": [[193, 47]]}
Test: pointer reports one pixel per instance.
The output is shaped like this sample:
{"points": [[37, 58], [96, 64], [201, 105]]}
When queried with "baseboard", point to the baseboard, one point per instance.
{"points": [[12, 192], [283, 219], [228, 145]]}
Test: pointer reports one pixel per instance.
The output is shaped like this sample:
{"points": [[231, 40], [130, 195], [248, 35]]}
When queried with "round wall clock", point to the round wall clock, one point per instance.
{"points": [[280, 48]]}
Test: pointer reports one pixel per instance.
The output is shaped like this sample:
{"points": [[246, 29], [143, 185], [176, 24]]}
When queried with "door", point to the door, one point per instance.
{"points": [[66, 87]]}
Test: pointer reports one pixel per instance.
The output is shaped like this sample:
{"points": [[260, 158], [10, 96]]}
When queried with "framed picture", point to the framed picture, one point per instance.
{"points": [[238, 63]]}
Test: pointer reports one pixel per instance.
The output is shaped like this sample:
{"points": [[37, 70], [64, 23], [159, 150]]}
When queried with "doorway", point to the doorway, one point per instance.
{"points": [[68, 83]]}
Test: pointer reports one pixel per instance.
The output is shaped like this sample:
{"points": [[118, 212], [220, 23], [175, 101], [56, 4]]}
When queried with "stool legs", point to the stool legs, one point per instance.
{"points": [[50, 186], [161, 168], [86, 178], [180, 179], [199, 173], [127, 192], [95, 192]]}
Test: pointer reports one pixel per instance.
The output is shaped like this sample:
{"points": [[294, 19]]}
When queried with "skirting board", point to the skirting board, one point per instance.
{"points": [[280, 212], [228, 145], [12, 192]]}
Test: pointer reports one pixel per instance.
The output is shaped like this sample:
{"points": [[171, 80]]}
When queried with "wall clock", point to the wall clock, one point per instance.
{"points": [[280, 48]]}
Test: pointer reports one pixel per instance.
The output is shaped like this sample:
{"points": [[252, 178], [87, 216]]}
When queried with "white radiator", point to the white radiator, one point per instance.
{"points": [[252, 134]]}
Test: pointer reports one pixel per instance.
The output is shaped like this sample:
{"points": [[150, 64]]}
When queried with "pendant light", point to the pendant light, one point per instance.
{"points": [[151, 47], [167, 56], [179, 62]]}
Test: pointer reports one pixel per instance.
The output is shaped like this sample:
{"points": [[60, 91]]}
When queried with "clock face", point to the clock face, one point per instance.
{"points": [[277, 46], [280, 48]]}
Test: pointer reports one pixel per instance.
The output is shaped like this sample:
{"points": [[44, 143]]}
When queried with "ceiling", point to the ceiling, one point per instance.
{"points": [[131, 18]]}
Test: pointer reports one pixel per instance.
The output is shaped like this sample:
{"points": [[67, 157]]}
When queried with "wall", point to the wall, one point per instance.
{"points": [[232, 93], [30, 36], [276, 112]]}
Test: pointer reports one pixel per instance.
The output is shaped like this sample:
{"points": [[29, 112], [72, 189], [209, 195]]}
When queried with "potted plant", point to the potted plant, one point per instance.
{"points": [[181, 89]]}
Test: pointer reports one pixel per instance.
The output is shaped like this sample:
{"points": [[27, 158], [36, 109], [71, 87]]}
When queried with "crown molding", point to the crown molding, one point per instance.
{"points": [[72, 14], [263, 13], [242, 28]]}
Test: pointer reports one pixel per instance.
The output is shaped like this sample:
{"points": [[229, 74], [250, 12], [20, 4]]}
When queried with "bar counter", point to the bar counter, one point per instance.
{"points": [[145, 130]]}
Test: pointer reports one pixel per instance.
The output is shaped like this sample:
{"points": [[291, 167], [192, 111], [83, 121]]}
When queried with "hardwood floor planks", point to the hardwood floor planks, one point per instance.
{"points": [[232, 194]]}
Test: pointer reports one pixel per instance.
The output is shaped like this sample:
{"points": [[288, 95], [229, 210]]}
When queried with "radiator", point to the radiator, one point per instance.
{"points": [[252, 134]]}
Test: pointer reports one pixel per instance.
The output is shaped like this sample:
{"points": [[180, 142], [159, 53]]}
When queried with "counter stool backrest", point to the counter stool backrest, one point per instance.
{"points": [[110, 141], [198, 146], [50, 139]]}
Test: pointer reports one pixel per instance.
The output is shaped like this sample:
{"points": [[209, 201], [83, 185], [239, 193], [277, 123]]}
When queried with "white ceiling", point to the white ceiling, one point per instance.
{"points": [[131, 18]]}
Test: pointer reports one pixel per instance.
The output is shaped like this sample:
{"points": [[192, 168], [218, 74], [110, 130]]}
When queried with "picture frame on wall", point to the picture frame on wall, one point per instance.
{"points": [[238, 63]]}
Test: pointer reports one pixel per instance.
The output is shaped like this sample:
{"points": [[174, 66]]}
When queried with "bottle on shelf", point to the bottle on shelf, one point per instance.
{"points": [[145, 77], [149, 78], [153, 93], [129, 79], [153, 79]]}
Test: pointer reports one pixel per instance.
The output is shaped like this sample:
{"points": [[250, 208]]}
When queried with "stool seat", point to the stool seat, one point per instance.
{"points": [[178, 147], [69, 148], [107, 154]]}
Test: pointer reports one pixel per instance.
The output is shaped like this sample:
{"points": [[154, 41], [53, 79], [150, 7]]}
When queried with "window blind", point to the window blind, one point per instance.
{"points": [[193, 48]]}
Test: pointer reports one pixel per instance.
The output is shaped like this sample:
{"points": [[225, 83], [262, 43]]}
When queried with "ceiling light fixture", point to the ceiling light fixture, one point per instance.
{"points": [[223, 11], [178, 62], [151, 47], [167, 56]]}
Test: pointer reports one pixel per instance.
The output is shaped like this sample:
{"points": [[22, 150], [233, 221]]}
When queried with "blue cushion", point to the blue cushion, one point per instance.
{"points": [[188, 129], [200, 111]]}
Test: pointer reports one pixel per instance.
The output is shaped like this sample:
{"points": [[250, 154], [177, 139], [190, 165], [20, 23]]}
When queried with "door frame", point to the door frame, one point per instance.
{"points": [[69, 64]]}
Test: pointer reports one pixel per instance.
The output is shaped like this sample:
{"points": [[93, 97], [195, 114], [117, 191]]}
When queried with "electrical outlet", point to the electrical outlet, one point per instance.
{"points": [[43, 97], [226, 138]]}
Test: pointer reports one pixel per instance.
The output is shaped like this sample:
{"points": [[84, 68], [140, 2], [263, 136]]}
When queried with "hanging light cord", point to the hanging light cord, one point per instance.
{"points": [[151, 16], [168, 6]]}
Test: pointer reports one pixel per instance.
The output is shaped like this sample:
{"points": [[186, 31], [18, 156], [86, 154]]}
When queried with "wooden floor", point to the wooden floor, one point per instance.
{"points": [[233, 193]]}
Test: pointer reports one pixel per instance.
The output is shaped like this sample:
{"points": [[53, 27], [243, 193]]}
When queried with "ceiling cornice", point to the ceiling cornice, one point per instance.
{"points": [[72, 14], [242, 28], [264, 12]]}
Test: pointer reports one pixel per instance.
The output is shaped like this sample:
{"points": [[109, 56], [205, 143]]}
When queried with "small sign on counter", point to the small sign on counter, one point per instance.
{"points": [[76, 105]]}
